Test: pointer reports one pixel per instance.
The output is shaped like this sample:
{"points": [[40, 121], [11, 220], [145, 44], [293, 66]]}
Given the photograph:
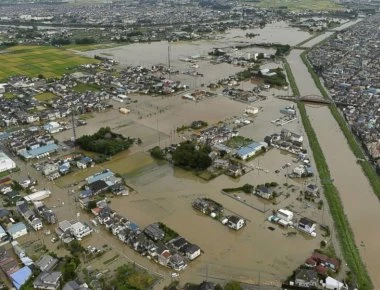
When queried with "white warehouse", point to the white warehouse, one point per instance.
{"points": [[6, 163]]}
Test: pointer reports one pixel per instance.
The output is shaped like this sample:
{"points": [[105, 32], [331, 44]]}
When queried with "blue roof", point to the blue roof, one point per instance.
{"points": [[249, 148], [4, 135], [40, 150], [133, 227], [21, 276], [101, 176], [85, 193], [16, 228], [85, 159]]}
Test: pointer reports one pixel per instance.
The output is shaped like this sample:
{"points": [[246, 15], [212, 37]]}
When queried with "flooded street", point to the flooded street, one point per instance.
{"points": [[360, 203]]}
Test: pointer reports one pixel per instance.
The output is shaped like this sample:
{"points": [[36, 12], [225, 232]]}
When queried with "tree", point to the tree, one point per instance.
{"points": [[157, 152], [189, 156], [69, 267], [247, 188], [91, 204], [233, 285]]}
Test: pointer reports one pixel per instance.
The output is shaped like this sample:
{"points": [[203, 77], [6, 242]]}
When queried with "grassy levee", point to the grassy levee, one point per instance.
{"points": [[344, 232], [368, 169]]}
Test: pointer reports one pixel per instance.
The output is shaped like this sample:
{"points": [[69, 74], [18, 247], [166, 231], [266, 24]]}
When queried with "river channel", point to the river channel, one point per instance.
{"points": [[360, 203]]}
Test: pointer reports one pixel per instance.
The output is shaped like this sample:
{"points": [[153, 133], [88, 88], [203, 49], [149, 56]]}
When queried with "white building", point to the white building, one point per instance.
{"points": [[285, 215], [235, 222], [53, 127], [251, 110], [307, 225], [192, 251], [80, 230], [39, 195], [333, 284], [6, 163]]}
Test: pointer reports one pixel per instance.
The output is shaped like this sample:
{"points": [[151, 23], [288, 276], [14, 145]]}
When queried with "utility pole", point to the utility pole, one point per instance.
{"points": [[73, 124], [169, 52]]}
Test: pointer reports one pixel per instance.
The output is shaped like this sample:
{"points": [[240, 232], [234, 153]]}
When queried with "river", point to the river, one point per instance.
{"points": [[360, 203]]}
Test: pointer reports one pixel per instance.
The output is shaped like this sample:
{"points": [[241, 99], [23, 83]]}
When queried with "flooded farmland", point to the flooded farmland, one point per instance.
{"points": [[360, 203]]}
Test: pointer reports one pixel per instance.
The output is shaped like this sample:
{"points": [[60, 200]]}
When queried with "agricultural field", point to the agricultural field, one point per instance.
{"points": [[35, 60], [81, 88], [45, 97], [318, 5]]}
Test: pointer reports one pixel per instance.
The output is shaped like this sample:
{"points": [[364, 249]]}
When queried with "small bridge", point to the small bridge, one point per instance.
{"points": [[312, 99]]}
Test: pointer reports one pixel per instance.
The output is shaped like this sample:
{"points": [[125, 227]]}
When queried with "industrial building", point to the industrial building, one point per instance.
{"points": [[6, 163]]}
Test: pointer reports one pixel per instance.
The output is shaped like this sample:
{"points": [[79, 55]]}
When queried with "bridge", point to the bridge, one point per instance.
{"points": [[313, 99]]}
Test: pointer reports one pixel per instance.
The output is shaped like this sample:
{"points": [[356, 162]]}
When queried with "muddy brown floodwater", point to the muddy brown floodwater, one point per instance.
{"points": [[360, 203], [163, 193]]}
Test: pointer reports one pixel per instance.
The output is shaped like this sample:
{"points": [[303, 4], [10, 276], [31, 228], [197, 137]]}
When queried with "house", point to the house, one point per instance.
{"points": [[17, 230], [306, 278], [177, 262], [119, 189], [310, 263], [235, 222], [285, 215], [29, 215], [48, 280], [321, 259], [104, 175], [46, 263], [20, 277], [163, 255], [73, 285], [4, 213], [191, 251], [68, 230], [80, 230], [84, 162], [264, 192], [179, 243], [234, 170], [306, 225], [333, 284], [312, 190], [49, 169], [154, 232], [52, 127], [97, 187]]}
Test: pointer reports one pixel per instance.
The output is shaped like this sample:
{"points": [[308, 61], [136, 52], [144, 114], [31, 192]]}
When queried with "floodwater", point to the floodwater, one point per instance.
{"points": [[148, 54], [360, 203], [164, 193]]}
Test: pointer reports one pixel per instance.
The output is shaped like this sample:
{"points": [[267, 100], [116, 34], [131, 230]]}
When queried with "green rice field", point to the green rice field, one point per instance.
{"points": [[34, 60]]}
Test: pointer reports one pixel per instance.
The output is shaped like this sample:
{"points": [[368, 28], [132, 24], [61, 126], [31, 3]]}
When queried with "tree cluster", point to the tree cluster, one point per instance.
{"points": [[104, 142], [157, 153], [85, 40], [282, 49], [190, 156]]}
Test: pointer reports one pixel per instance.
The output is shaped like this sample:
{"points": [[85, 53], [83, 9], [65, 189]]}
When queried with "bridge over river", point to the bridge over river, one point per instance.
{"points": [[313, 99]]}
